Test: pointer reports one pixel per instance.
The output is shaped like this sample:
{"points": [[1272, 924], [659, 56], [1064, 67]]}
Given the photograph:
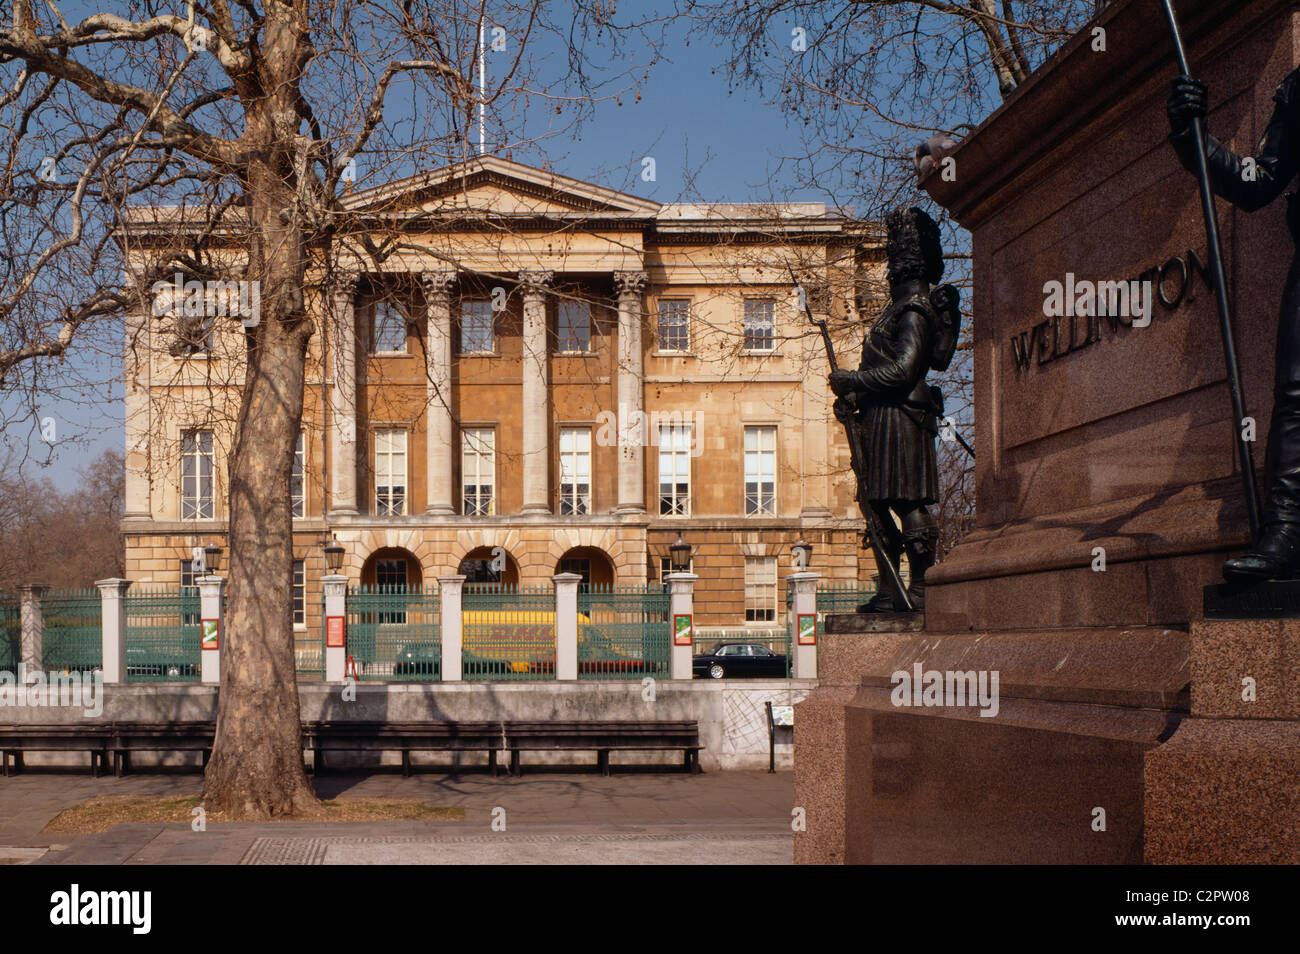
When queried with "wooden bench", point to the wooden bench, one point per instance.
{"points": [[128, 737], [603, 738], [404, 737], [17, 739]]}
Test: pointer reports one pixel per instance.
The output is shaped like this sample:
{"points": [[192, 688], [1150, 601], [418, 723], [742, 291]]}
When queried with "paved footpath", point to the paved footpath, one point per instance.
{"points": [[630, 818]]}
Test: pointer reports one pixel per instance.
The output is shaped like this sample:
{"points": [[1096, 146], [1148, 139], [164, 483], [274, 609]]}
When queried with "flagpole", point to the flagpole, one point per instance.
{"points": [[482, 91], [1244, 456]]}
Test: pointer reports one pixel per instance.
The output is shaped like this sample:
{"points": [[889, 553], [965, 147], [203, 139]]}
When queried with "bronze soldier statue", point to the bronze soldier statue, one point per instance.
{"points": [[892, 414], [1251, 186]]}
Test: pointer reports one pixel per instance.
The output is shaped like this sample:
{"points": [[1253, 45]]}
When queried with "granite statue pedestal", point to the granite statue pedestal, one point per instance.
{"points": [[1108, 497], [1225, 787]]}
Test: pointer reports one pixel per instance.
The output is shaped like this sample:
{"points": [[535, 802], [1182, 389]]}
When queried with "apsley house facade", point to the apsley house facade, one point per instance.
{"points": [[545, 376]]}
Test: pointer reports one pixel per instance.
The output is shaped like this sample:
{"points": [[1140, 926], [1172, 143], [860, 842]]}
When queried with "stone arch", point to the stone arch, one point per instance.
{"points": [[572, 538], [509, 575], [468, 541], [598, 564], [360, 544], [369, 567]]}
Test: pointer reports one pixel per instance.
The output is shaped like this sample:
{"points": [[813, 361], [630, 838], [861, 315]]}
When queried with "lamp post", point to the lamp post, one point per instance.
{"points": [[212, 559], [334, 587], [803, 551], [333, 556], [679, 555], [681, 608]]}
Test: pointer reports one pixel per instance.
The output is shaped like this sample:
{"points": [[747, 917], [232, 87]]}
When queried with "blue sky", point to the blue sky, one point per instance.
{"points": [[685, 119]]}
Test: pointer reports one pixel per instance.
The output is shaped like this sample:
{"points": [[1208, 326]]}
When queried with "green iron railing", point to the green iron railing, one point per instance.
{"points": [[309, 651], [842, 596], [11, 633], [309, 647], [162, 633], [71, 633], [394, 632], [508, 632], [623, 631]]}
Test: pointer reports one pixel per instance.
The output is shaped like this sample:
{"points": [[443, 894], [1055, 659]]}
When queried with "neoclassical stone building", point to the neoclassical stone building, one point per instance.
{"points": [[546, 375]]}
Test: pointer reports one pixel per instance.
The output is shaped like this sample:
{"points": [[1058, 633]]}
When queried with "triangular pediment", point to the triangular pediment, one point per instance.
{"points": [[488, 185]]}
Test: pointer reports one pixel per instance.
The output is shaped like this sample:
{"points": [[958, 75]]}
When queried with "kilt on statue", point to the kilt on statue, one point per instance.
{"points": [[892, 415]]}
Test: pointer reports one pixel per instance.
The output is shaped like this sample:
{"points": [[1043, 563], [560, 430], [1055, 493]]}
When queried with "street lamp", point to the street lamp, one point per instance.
{"points": [[679, 555], [212, 558], [803, 551], [334, 556]]}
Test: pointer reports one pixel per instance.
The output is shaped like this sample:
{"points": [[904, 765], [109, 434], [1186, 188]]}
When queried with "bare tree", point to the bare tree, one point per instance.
{"points": [[862, 84], [222, 144], [63, 539]]}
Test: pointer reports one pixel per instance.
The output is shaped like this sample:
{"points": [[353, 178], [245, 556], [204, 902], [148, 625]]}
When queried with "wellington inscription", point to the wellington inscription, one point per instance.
{"points": [[1085, 306]]}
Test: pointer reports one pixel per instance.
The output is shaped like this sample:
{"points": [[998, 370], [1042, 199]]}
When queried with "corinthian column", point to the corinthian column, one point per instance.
{"points": [[631, 424], [438, 455], [537, 394], [343, 396]]}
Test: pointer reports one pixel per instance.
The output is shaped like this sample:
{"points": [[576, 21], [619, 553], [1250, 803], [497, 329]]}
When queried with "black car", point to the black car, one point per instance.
{"points": [[740, 660]]}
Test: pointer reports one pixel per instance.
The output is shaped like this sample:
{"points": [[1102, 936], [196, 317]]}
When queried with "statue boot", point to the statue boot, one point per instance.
{"points": [[921, 538], [1275, 557], [883, 601]]}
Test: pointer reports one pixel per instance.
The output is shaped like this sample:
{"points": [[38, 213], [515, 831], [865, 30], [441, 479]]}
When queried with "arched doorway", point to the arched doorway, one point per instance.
{"points": [[591, 563], [392, 570], [485, 565]]}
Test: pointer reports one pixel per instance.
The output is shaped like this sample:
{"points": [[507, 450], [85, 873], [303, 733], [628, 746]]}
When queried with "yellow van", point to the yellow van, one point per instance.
{"points": [[523, 641]]}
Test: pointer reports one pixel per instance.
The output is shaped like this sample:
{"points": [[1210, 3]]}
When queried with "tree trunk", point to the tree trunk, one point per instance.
{"points": [[256, 770]]}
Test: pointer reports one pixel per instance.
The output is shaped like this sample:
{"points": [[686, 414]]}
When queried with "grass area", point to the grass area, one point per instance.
{"points": [[101, 813]]}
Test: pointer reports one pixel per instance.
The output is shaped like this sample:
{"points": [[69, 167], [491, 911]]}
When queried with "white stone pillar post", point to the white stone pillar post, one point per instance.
{"points": [[631, 388], [33, 627], [212, 637], [343, 396], [335, 586], [803, 603], [450, 588], [112, 603], [536, 394], [566, 625], [438, 456], [681, 602]]}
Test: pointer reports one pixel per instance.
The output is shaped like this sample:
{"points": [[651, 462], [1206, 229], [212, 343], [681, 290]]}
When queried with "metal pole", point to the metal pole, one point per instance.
{"points": [[1244, 456], [482, 91]]}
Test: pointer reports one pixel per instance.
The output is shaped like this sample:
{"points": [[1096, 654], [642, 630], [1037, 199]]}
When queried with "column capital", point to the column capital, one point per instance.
{"points": [[630, 283], [438, 281], [343, 285], [536, 281]]}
